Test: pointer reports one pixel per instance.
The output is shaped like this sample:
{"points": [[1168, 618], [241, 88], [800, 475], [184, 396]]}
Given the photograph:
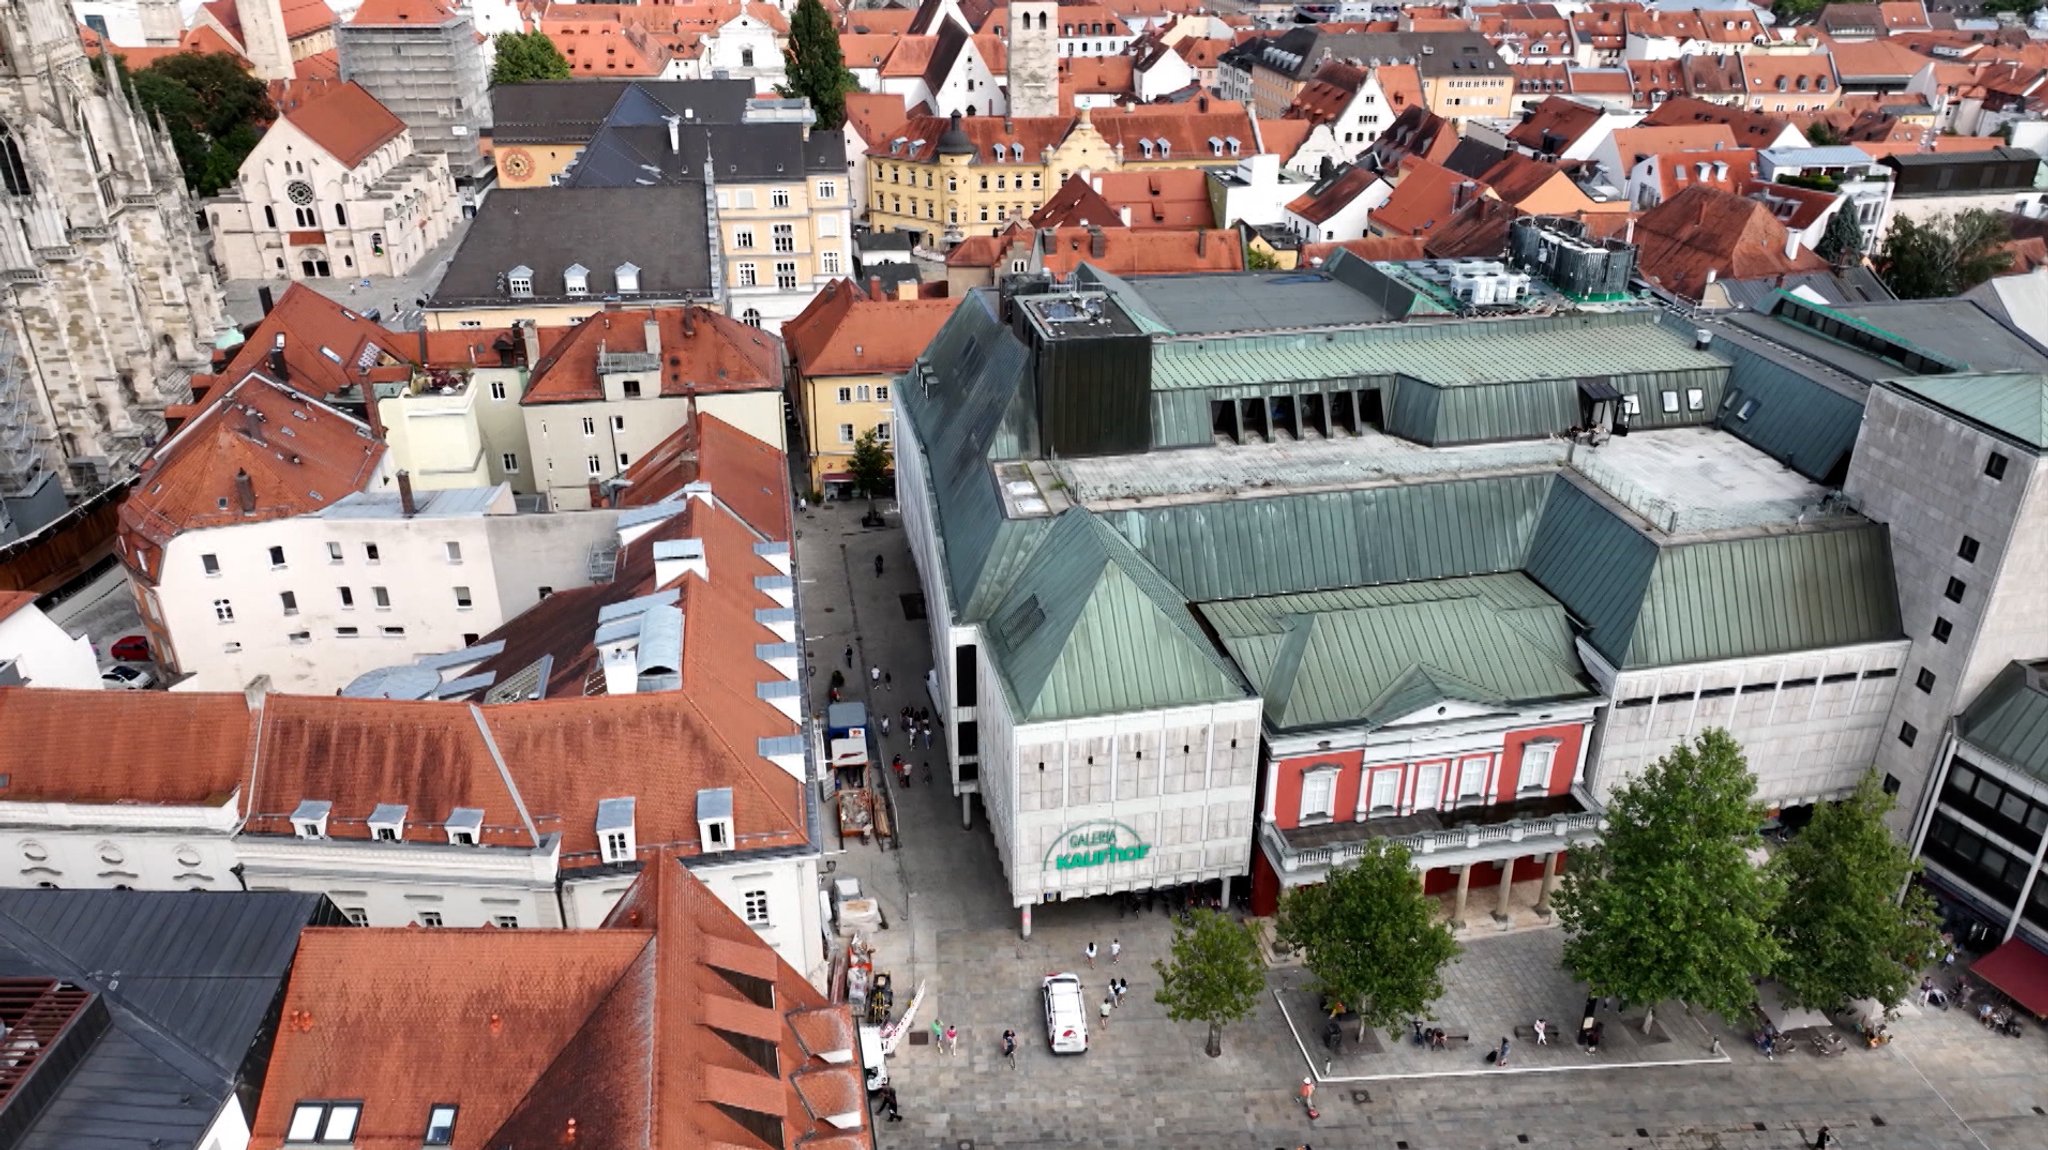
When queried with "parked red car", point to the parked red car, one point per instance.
{"points": [[131, 649]]}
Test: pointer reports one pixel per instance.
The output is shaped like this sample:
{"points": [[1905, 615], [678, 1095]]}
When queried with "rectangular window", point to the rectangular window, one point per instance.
{"points": [[357, 916], [224, 610], [506, 922], [594, 463], [1670, 400], [370, 554], [210, 564], [324, 1122], [1386, 790], [277, 558], [1942, 630], [846, 433], [454, 551], [394, 632], [631, 388], [754, 904], [784, 237], [1995, 466], [290, 601], [743, 238], [589, 426], [1925, 681], [462, 599], [778, 197], [1471, 779], [1954, 591], [827, 190], [828, 262], [334, 552], [497, 389], [441, 1118], [846, 395], [382, 597], [1318, 793], [863, 393], [430, 918], [510, 463], [616, 847], [622, 461], [1967, 551], [882, 432], [881, 393], [618, 423], [1695, 399], [1536, 762], [785, 275], [299, 638], [748, 275], [1630, 404], [1907, 733]]}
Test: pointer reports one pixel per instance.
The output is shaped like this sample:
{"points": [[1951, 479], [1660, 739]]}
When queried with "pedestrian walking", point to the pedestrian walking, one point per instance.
{"points": [[888, 681], [874, 676], [1501, 1056], [1090, 952], [1116, 951], [885, 726], [1123, 987], [1823, 1139], [878, 566], [1010, 1048], [886, 1098], [938, 1036], [1307, 1094], [849, 656], [1107, 1004], [952, 1039], [802, 505], [1542, 1033]]}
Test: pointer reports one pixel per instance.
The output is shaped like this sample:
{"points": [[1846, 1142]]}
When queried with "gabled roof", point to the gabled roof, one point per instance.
{"points": [[842, 332], [1701, 229], [1425, 196], [751, 478], [1033, 133], [1185, 128], [2012, 404], [298, 455], [1752, 129], [1128, 251], [328, 349], [1554, 125], [702, 352], [403, 14], [1075, 203], [661, 230], [1090, 628], [189, 983], [347, 122], [166, 749], [1334, 194]]}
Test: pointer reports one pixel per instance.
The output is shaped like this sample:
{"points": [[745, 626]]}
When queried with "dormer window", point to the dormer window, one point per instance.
{"points": [[1235, 144], [714, 819], [1145, 146], [519, 281], [1215, 145], [628, 276], [465, 827], [310, 820], [616, 841], [1017, 152], [387, 822], [576, 280]]}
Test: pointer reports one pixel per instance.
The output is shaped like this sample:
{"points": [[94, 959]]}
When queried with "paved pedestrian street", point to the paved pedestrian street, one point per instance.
{"points": [[1944, 1084]]}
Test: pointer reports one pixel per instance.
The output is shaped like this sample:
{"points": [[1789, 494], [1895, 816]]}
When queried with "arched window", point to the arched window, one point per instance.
{"points": [[340, 216], [12, 170], [751, 317]]}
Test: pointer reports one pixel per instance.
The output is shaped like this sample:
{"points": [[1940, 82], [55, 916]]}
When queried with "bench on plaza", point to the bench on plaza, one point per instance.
{"points": [[1455, 1036]]}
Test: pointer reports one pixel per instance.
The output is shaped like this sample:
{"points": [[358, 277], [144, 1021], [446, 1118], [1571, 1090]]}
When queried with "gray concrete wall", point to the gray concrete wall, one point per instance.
{"points": [[552, 550]]}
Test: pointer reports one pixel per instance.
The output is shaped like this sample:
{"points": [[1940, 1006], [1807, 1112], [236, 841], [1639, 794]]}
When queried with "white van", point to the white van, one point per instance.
{"points": [[872, 1060], [1066, 1017]]}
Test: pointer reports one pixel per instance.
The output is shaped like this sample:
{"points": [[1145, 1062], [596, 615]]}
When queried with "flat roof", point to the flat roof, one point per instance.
{"points": [[1253, 301], [1708, 479]]}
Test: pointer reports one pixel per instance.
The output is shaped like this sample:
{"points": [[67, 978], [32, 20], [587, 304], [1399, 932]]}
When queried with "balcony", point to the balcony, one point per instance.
{"points": [[1440, 838]]}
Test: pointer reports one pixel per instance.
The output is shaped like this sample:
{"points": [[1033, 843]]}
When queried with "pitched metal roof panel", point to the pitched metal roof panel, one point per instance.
{"points": [[2009, 718], [2013, 404], [1595, 563]]}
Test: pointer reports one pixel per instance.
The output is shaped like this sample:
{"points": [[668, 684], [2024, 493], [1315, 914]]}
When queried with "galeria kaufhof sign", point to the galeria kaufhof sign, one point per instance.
{"points": [[1093, 844]]}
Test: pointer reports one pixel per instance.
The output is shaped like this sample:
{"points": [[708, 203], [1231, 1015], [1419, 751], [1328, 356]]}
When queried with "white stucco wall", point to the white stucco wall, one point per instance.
{"points": [[100, 847], [561, 447], [45, 654]]}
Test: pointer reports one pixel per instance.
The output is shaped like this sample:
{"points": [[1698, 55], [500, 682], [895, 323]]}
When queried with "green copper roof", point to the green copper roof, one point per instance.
{"points": [[2012, 403], [1089, 628], [2009, 718], [1441, 354], [1376, 654]]}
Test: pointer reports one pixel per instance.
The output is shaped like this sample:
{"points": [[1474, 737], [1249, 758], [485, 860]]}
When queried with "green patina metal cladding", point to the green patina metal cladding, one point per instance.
{"points": [[2009, 719]]}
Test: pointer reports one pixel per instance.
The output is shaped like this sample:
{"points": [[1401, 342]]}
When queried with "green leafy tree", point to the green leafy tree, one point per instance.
{"points": [[1943, 256], [1214, 976], [870, 464], [212, 108], [1260, 260], [1668, 905], [1842, 929], [523, 57], [817, 66], [1371, 937], [1842, 243]]}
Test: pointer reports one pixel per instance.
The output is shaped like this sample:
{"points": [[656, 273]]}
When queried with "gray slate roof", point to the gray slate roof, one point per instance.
{"points": [[190, 980], [571, 110], [631, 155], [662, 230]]}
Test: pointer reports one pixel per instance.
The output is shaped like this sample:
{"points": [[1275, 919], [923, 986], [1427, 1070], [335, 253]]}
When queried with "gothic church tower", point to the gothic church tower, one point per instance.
{"points": [[1034, 58]]}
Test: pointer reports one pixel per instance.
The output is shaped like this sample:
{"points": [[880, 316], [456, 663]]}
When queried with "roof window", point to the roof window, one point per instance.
{"points": [[714, 819], [324, 1123], [576, 280], [465, 827], [387, 822], [441, 1124], [628, 276], [519, 281], [615, 830], [310, 820]]}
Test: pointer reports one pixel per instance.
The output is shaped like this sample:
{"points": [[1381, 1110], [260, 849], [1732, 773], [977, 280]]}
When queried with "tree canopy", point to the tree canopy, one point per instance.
{"points": [[1668, 905], [213, 108], [1214, 976], [1943, 256], [1842, 930], [1842, 243], [523, 57], [817, 66], [1370, 936], [870, 464]]}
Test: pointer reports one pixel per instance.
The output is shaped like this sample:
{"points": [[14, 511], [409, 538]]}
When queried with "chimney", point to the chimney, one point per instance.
{"points": [[1201, 243], [1125, 212], [597, 499], [1202, 103], [1628, 233], [245, 492], [653, 330], [1791, 244], [689, 323], [252, 426], [529, 338], [675, 133], [1463, 195], [264, 298], [874, 287], [405, 501], [255, 691], [906, 289], [278, 367]]}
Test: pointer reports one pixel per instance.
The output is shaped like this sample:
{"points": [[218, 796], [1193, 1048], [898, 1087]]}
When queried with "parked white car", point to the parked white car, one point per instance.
{"points": [[1066, 1016], [124, 678]]}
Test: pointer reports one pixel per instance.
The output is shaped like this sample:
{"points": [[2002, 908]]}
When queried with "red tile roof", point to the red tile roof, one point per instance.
{"points": [[1333, 195], [1075, 203], [1128, 251], [298, 455], [1034, 133], [348, 123], [1187, 128], [702, 352], [1752, 129], [480, 347], [839, 333], [1284, 138], [750, 477], [875, 116], [328, 349], [305, 17], [1732, 170], [1424, 197], [1700, 230], [1328, 93], [1554, 125], [402, 13], [1369, 248], [1094, 76], [126, 747]]}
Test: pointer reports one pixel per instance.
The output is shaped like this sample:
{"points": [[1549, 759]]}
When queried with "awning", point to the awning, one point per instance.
{"points": [[1598, 388], [1771, 1000], [2020, 971]]}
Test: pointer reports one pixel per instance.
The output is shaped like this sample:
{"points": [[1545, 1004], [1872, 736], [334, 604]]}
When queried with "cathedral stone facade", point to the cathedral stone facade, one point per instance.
{"points": [[111, 303]]}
